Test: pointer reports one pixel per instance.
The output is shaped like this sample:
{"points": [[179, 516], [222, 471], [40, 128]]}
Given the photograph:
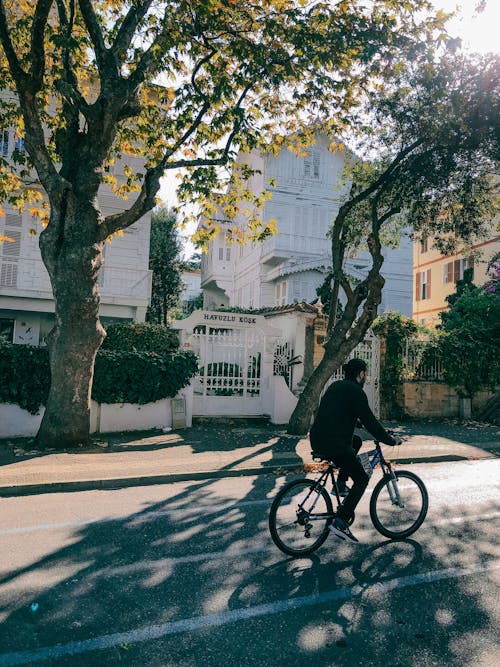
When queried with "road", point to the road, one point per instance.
{"points": [[185, 575]]}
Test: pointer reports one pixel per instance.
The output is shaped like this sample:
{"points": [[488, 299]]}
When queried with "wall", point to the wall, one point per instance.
{"points": [[435, 399], [104, 418]]}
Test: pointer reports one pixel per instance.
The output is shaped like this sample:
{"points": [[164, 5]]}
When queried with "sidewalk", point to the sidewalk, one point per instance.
{"points": [[214, 450]]}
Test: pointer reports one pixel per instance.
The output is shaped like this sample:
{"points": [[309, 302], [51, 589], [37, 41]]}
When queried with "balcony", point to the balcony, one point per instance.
{"points": [[25, 277]]}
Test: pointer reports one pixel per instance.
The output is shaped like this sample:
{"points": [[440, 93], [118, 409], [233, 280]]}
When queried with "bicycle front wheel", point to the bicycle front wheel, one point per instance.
{"points": [[300, 516], [398, 506]]}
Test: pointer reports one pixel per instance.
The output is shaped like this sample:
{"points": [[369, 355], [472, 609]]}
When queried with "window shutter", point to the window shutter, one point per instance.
{"points": [[456, 270], [428, 296], [417, 286]]}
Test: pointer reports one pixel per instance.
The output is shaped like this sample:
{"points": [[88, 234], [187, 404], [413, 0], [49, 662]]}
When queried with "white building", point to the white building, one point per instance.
{"points": [[191, 287], [26, 302], [289, 266]]}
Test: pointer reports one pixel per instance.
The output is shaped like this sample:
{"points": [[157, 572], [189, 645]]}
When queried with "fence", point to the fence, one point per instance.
{"points": [[421, 361]]}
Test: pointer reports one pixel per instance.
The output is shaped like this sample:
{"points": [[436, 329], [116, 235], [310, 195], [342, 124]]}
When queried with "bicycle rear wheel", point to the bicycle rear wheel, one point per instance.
{"points": [[398, 507], [300, 516]]}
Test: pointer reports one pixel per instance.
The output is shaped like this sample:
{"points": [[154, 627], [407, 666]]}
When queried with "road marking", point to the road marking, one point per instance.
{"points": [[195, 510], [153, 632], [192, 558]]}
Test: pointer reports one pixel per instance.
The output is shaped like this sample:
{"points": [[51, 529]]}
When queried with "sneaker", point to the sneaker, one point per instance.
{"points": [[343, 489], [341, 529]]}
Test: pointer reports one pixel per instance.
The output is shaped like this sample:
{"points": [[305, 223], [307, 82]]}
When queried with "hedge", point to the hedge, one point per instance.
{"points": [[119, 377], [140, 336]]}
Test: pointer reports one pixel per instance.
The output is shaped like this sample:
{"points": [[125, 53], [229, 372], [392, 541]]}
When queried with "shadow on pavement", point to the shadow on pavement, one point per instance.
{"points": [[195, 555]]}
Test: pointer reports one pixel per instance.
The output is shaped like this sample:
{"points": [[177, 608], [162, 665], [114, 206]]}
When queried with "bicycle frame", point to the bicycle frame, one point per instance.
{"points": [[377, 458]]}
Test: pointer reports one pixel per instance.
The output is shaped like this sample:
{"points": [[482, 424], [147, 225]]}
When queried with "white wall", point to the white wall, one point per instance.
{"points": [[104, 418]]}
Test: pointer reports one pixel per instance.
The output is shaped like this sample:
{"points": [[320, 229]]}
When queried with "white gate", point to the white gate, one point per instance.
{"points": [[235, 356], [369, 351]]}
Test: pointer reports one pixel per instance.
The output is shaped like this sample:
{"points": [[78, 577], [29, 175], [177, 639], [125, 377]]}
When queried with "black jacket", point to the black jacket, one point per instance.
{"points": [[343, 403]]}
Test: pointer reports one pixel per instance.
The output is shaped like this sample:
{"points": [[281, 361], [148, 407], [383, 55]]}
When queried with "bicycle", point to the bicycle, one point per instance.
{"points": [[302, 511]]}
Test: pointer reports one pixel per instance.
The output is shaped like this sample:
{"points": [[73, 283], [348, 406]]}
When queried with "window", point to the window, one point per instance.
{"points": [[312, 164], [423, 285], [7, 329], [424, 245], [281, 291], [221, 254], [228, 254], [454, 271], [4, 142], [19, 145]]}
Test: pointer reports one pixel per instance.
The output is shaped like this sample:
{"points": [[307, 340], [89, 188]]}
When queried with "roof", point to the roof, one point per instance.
{"points": [[298, 307]]}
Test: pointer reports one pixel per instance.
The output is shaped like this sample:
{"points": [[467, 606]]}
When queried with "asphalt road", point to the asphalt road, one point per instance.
{"points": [[186, 575]]}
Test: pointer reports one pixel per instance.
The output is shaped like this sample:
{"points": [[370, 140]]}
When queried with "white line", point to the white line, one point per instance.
{"points": [[152, 632], [192, 558], [195, 509]]}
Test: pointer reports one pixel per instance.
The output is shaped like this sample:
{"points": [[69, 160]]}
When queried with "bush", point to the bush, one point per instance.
{"points": [[119, 377], [24, 375], [141, 377], [396, 329], [140, 336]]}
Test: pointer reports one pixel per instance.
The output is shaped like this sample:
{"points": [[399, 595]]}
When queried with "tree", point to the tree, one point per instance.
{"points": [[492, 285], [184, 84], [436, 134], [469, 340], [165, 263]]}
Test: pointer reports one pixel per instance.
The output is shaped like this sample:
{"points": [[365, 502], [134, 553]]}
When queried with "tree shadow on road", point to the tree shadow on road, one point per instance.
{"points": [[204, 552]]}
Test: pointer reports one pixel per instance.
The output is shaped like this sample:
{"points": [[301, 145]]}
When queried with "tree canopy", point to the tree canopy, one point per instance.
{"points": [[165, 263], [431, 141], [184, 85], [469, 340]]}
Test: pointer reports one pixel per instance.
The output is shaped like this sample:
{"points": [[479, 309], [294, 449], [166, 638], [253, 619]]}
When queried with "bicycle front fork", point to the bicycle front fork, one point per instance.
{"points": [[392, 488]]}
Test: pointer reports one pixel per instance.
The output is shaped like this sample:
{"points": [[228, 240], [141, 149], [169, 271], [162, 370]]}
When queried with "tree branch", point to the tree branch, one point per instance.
{"points": [[95, 33], [126, 31], [18, 74], [381, 180], [37, 50]]}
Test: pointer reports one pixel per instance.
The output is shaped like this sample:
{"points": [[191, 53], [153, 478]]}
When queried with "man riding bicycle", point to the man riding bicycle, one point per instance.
{"points": [[332, 437]]}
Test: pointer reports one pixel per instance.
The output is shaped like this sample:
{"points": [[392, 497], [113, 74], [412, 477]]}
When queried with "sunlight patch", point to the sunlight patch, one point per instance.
{"points": [[312, 638]]}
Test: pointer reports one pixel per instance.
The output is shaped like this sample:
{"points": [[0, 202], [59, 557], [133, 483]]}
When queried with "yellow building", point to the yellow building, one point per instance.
{"points": [[435, 275]]}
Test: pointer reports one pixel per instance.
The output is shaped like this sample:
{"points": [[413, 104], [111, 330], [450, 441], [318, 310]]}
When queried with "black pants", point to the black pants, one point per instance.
{"points": [[351, 467]]}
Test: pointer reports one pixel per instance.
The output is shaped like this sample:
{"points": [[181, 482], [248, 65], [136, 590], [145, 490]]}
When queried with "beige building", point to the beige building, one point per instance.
{"points": [[435, 275]]}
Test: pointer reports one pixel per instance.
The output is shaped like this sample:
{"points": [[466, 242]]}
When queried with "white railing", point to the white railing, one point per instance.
{"points": [[420, 366], [125, 282], [28, 274]]}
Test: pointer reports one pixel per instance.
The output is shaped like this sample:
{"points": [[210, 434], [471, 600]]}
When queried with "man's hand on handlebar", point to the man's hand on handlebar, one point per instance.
{"points": [[397, 438]]}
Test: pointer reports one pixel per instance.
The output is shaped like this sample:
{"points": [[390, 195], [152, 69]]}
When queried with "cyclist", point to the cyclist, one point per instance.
{"points": [[343, 405]]}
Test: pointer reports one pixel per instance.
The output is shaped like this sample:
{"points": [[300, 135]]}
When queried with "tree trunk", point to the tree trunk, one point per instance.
{"points": [[73, 264], [336, 351], [334, 356]]}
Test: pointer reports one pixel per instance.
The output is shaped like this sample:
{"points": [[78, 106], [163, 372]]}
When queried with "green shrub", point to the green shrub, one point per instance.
{"points": [[119, 377], [140, 336], [24, 375], [141, 377], [396, 329]]}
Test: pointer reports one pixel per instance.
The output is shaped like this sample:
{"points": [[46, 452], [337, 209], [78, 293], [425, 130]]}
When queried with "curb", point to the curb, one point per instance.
{"points": [[150, 480]]}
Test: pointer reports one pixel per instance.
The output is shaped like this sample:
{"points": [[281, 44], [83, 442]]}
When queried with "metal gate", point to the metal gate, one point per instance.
{"points": [[232, 361], [369, 351]]}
